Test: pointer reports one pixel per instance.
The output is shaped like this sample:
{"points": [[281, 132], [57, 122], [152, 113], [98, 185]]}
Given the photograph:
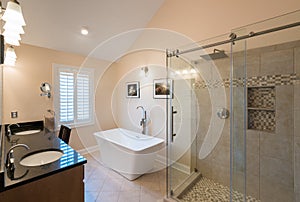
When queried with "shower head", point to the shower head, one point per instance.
{"points": [[217, 54]]}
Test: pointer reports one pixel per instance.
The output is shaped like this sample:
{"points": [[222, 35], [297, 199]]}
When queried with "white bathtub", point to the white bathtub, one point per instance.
{"points": [[129, 153]]}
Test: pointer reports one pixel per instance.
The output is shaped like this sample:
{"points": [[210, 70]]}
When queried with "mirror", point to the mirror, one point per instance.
{"points": [[46, 89]]}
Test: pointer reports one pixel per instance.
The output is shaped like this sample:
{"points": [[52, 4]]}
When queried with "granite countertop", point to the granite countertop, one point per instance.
{"points": [[39, 141]]}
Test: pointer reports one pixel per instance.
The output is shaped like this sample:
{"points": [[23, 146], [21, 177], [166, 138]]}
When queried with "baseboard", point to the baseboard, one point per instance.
{"points": [[88, 150], [178, 166]]}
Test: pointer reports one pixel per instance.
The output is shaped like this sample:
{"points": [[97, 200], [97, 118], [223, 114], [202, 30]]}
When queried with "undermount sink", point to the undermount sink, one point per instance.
{"points": [[28, 132], [42, 157]]}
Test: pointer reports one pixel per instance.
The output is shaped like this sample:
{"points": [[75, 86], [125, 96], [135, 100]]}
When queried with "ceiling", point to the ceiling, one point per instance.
{"points": [[56, 24]]}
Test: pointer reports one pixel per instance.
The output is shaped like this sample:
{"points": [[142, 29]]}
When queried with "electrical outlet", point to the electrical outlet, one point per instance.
{"points": [[14, 115]]}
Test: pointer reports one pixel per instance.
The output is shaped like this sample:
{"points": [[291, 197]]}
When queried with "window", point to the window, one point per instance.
{"points": [[73, 95]]}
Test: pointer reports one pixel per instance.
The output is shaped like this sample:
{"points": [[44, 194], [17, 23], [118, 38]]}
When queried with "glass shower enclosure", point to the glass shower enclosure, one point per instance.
{"points": [[233, 119]]}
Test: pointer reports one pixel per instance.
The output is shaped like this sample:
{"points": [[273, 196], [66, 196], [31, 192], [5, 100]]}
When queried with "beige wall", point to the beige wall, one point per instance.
{"points": [[21, 86], [109, 80], [201, 20], [22, 82]]}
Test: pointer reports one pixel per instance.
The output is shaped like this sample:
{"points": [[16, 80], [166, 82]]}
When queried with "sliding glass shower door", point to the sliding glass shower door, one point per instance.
{"points": [[202, 152], [238, 121], [182, 118]]}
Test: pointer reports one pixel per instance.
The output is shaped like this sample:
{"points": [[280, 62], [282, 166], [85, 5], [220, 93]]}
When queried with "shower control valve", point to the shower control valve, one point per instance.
{"points": [[223, 113]]}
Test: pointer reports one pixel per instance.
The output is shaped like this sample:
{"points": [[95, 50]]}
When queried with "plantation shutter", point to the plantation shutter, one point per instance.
{"points": [[74, 95], [66, 97], [83, 97]]}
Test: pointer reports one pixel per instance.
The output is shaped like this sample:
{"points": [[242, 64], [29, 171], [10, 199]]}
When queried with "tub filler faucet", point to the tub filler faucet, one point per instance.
{"points": [[143, 122]]}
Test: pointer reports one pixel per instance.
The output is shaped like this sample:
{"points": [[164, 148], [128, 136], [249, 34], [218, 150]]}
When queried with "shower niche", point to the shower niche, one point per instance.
{"points": [[261, 108]]}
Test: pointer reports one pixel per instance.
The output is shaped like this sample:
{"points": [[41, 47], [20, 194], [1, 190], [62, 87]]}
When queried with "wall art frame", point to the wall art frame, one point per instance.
{"points": [[163, 89], [133, 89]]}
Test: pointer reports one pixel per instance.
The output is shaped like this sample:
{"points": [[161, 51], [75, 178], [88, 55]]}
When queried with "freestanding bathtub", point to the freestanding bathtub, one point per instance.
{"points": [[129, 153]]}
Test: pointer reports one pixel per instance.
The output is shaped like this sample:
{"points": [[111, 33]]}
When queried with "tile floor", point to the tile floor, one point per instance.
{"points": [[104, 185], [208, 190]]}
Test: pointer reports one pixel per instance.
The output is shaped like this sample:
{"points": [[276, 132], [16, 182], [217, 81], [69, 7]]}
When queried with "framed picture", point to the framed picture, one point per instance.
{"points": [[162, 88], [133, 89]]}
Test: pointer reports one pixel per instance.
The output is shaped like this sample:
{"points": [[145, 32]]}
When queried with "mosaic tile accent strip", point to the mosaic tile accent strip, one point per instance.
{"points": [[207, 190], [269, 80], [261, 97], [297, 81], [261, 120], [217, 83], [272, 80]]}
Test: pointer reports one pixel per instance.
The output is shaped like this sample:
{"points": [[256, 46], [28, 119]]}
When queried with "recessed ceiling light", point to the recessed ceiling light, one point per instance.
{"points": [[84, 31]]}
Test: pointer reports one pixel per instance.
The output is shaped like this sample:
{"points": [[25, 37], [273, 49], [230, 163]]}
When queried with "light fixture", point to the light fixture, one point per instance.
{"points": [[14, 23], [13, 13], [84, 31], [13, 28], [185, 71], [193, 71], [10, 26], [145, 69], [10, 56]]}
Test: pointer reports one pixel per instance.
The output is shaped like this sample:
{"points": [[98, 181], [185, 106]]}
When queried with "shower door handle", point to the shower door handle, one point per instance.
{"points": [[172, 124]]}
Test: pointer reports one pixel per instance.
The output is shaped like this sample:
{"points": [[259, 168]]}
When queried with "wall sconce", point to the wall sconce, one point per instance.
{"points": [[10, 56], [14, 23], [13, 28], [187, 71], [146, 70]]}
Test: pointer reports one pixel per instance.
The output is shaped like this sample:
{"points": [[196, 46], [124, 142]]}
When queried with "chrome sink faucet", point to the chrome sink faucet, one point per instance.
{"points": [[10, 160], [143, 122], [9, 130]]}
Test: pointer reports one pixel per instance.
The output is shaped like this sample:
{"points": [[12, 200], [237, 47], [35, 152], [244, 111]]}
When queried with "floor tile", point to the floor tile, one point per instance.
{"points": [[93, 185], [150, 196], [208, 190], [108, 197], [111, 184], [105, 185], [130, 186], [132, 196], [90, 196]]}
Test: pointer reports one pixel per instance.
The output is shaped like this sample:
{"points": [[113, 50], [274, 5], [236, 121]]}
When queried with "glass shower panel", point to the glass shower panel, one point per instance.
{"points": [[272, 110], [201, 81], [212, 90], [182, 125], [296, 118], [238, 119]]}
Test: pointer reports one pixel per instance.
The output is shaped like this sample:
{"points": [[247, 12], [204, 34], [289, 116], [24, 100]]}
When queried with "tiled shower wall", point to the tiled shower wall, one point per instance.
{"points": [[297, 126], [273, 156]]}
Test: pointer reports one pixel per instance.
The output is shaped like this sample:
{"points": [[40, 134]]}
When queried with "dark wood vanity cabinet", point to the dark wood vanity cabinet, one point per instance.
{"points": [[64, 186]]}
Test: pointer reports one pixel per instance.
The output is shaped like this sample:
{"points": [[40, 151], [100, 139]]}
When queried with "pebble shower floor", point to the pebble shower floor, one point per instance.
{"points": [[206, 190]]}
